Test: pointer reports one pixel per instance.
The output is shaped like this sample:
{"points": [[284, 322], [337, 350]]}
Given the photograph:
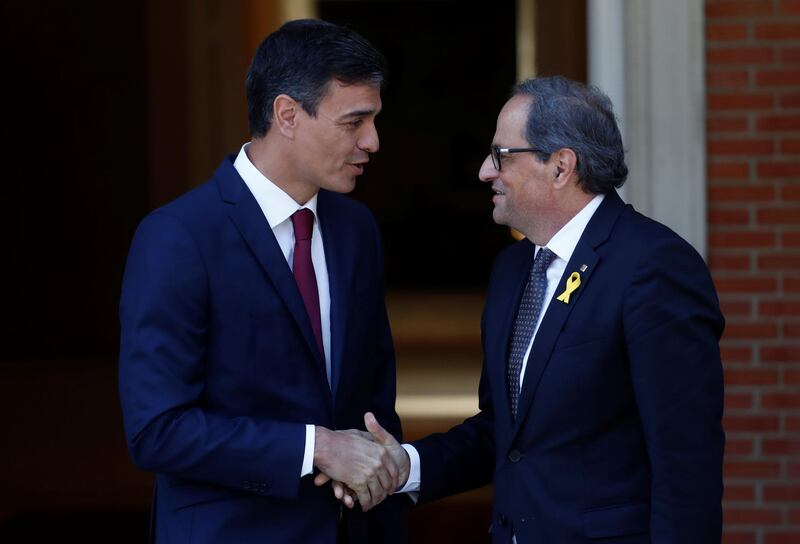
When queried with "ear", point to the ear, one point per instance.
{"points": [[284, 114], [565, 166]]}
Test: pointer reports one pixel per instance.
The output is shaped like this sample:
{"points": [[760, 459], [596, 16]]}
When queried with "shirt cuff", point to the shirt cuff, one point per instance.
{"points": [[308, 456], [414, 470]]}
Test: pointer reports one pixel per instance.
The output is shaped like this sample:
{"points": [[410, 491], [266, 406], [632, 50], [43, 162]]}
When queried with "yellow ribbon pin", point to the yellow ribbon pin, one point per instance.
{"points": [[573, 282]]}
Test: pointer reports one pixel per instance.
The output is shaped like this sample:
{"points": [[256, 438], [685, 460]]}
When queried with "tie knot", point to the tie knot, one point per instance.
{"points": [[303, 223], [542, 260]]}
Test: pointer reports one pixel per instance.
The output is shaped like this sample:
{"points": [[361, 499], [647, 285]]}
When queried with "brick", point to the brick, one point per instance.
{"points": [[742, 239], [738, 447], [736, 354], [740, 147], [778, 123], [789, 100], [794, 470], [782, 537], [779, 308], [790, 7], [779, 216], [718, 102], [738, 9], [791, 284], [729, 537], [728, 170], [781, 354], [790, 330], [777, 78], [751, 376], [794, 516], [793, 422], [739, 493], [737, 79], [790, 55], [740, 55], [718, 262], [779, 261], [790, 239], [726, 124], [778, 169], [746, 194], [778, 31], [791, 192], [750, 331], [752, 516], [791, 378], [739, 401], [780, 493], [728, 216], [781, 401], [757, 284], [781, 446], [736, 308], [790, 146], [753, 424], [726, 32], [751, 469]]}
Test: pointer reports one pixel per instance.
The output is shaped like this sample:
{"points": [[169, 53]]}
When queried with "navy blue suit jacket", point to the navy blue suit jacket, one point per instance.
{"points": [[618, 434], [219, 372]]}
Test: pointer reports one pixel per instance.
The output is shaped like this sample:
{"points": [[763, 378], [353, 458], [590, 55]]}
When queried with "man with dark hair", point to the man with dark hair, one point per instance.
{"points": [[601, 392], [253, 317]]}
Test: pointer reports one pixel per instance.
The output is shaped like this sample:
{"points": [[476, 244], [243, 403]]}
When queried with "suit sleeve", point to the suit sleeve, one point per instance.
{"points": [[672, 327], [164, 314]]}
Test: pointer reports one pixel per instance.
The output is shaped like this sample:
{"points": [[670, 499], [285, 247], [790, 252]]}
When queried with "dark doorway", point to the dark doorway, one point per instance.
{"points": [[452, 65]]}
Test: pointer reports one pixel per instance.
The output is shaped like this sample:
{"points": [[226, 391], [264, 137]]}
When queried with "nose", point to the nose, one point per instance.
{"points": [[487, 171], [368, 139]]}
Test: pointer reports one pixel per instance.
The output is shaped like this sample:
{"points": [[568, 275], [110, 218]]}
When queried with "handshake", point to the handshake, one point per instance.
{"points": [[361, 466]]}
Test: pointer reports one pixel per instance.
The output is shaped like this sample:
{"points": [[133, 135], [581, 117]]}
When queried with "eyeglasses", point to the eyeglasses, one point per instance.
{"points": [[498, 152]]}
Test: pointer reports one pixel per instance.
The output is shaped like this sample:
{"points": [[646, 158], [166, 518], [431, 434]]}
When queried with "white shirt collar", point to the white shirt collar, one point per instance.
{"points": [[276, 204], [563, 242]]}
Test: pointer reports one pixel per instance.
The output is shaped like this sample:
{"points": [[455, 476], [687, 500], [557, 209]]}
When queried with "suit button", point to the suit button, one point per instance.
{"points": [[514, 456], [503, 520]]}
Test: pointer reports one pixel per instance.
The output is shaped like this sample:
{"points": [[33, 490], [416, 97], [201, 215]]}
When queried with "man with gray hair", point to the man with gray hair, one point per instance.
{"points": [[601, 391]]}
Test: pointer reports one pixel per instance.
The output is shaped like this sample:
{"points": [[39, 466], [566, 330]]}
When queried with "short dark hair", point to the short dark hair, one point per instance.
{"points": [[300, 59], [568, 114]]}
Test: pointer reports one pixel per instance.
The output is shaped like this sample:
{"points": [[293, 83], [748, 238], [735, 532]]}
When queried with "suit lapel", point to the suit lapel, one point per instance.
{"points": [[255, 230], [597, 231], [340, 268]]}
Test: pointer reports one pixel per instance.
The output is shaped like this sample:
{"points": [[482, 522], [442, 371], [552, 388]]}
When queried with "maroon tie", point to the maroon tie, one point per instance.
{"points": [[303, 268]]}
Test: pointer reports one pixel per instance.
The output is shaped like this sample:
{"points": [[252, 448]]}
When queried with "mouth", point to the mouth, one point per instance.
{"points": [[497, 192], [358, 167]]}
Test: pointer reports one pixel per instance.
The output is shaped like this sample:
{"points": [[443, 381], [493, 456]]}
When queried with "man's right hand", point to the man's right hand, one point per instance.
{"points": [[366, 467], [380, 436]]}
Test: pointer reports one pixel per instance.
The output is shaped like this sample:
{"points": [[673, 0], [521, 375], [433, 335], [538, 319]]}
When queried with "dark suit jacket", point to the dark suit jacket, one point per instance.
{"points": [[219, 372], [619, 433]]}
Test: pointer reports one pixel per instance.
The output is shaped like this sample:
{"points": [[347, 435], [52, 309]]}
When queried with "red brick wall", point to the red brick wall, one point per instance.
{"points": [[753, 129]]}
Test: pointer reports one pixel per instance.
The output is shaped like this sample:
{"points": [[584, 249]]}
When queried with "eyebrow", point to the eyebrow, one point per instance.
{"points": [[359, 113]]}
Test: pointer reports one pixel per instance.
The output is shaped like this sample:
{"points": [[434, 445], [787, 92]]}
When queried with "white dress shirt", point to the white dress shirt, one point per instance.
{"points": [[278, 208], [563, 244]]}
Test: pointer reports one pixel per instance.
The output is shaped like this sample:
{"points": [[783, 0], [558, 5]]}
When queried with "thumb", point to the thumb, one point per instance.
{"points": [[380, 434]]}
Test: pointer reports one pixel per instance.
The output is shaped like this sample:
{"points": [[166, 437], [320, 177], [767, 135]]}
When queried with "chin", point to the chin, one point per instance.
{"points": [[343, 187], [498, 217]]}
